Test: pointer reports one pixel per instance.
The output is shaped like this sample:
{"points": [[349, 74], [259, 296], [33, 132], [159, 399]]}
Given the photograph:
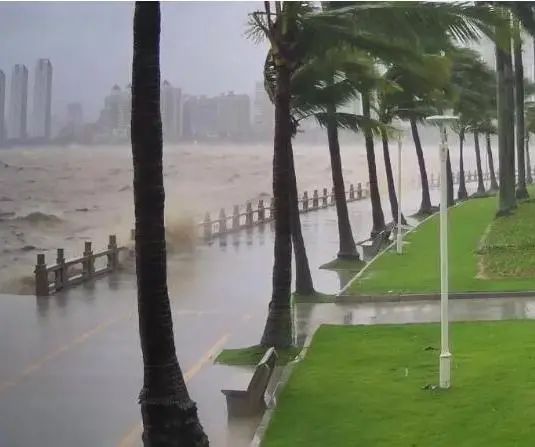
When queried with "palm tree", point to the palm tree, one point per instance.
{"points": [[506, 192], [169, 415], [280, 28], [304, 284], [521, 191], [462, 194], [303, 277], [377, 210], [480, 183]]}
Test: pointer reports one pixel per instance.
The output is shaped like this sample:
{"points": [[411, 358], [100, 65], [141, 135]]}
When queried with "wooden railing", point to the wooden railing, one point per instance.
{"points": [[469, 177], [50, 279], [248, 217]]}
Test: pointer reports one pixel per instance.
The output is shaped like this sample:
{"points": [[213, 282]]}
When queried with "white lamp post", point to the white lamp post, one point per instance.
{"points": [[445, 355], [399, 235]]}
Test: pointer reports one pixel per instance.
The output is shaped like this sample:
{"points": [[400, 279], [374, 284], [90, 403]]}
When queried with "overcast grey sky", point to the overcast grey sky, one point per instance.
{"points": [[203, 47]]}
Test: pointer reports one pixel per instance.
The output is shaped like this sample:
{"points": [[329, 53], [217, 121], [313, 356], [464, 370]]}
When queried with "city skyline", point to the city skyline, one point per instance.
{"points": [[194, 54]]}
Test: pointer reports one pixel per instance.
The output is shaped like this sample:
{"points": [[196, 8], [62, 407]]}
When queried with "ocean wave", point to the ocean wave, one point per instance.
{"points": [[38, 218]]}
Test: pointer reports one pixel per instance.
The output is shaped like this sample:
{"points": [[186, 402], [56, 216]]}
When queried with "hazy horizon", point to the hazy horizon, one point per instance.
{"points": [[203, 47]]}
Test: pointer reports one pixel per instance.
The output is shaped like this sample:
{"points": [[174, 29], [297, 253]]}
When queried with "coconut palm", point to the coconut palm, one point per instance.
{"points": [[521, 191], [169, 415], [297, 32]]}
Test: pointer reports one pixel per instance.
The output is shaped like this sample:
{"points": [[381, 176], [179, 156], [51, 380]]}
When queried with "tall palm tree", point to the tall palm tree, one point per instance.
{"points": [[378, 217], [169, 415], [462, 194], [480, 182], [506, 192], [521, 191], [304, 284], [280, 28]]}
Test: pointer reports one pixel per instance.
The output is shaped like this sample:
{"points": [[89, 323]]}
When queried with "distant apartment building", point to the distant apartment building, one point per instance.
{"points": [[263, 112], [114, 119], [170, 111], [75, 114], [42, 100], [233, 115], [2, 107], [18, 103], [226, 116]]}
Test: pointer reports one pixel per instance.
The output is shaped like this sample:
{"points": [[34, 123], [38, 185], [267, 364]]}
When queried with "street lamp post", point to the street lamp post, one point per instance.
{"points": [[445, 354], [399, 234]]}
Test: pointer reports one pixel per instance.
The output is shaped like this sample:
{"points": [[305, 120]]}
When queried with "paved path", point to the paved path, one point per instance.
{"points": [[70, 367]]}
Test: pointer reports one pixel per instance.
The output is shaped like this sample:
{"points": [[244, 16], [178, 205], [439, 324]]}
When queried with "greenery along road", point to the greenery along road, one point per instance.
{"points": [[486, 254], [372, 386]]}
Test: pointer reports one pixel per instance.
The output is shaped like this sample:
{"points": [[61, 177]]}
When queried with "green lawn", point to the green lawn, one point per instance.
{"points": [[367, 386], [417, 270]]}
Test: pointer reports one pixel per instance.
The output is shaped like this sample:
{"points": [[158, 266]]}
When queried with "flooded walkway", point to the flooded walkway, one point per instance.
{"points": [[71, 363]]}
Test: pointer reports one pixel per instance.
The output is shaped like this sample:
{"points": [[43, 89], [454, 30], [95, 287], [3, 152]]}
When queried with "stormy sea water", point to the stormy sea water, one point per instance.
{"points": [[58, 197]]}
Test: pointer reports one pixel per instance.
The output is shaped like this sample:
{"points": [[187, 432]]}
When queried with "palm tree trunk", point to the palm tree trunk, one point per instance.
{"points": [[506, 192], [169, 415], [461, 194], [377, 210], [390, 181], [425, 204], [521, 191], [303, 277], [347, 247], [449, 173], [493, 182], [278, 328], [529, 177], [480, 182]]}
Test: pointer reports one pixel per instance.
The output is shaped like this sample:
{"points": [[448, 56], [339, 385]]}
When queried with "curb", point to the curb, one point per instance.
{"points": [[260, 431], [394, 298]]}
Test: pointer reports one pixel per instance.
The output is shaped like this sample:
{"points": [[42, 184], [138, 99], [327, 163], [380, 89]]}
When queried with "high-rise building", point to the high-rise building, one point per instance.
{"points": [[42, 100], [233, 115], [18, 103], [264, 112], [75, 115], [172, 109], [2, 107], [179, 112]]}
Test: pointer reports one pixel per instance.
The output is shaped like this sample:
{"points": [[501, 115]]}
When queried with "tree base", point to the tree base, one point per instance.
{"points": [[522, 193], [278, 329], [171, 424], [504, 213], [348, 256]]}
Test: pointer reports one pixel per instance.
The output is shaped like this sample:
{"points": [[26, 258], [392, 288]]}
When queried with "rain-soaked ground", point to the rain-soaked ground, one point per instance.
{"points": [[71, 364]]}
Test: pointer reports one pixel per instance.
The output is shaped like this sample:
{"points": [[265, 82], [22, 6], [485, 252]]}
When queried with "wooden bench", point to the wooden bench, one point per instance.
{"points": [[372, 246], [251, 401]]}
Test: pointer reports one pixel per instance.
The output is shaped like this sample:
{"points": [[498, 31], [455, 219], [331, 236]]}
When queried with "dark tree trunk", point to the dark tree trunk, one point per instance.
{"points": [[390, 181], [278, 329], [169, 415], [347, 245], [449, 173], [377, 210], [521, 191], [506, 191], [529, 177], [425, 205], [303, 277], [480, 182], [493, 182], [461, 194]]}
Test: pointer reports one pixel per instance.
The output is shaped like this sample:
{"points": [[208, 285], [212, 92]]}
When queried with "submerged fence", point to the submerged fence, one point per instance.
{"points": [[50, 279], [262, 211]]}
